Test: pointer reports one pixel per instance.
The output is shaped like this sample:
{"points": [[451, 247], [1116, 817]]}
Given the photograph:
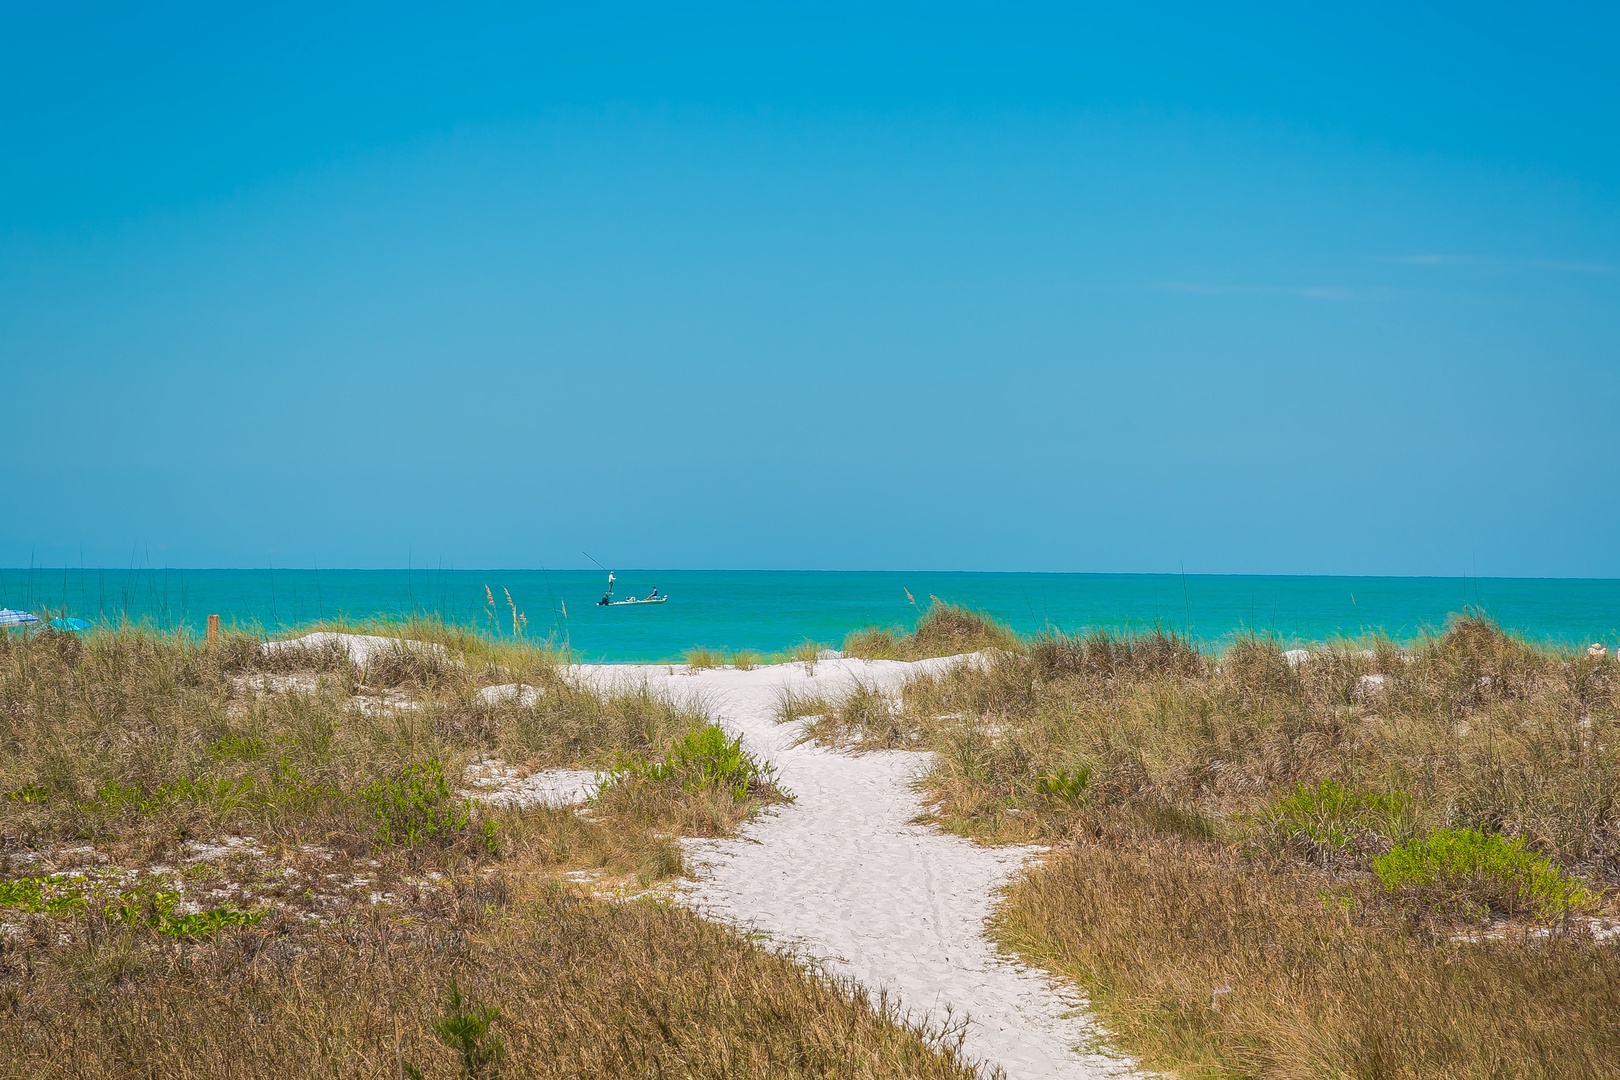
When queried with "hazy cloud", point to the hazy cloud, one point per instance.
{"points": [[1310, 292], [1437, 259], [1575, 267]]}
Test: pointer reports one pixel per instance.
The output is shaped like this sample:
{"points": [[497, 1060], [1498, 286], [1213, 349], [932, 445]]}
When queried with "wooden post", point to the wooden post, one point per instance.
{"points": [[213, 629]]}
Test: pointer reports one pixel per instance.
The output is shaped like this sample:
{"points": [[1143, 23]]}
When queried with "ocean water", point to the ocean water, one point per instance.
{"points": [[771, 610]]}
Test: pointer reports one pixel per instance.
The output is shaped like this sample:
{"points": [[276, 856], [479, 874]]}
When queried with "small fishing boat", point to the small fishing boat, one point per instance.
{"points": [[607, 600]]}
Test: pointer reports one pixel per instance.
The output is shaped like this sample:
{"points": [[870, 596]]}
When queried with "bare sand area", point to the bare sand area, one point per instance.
{"points": [[844, 878]]}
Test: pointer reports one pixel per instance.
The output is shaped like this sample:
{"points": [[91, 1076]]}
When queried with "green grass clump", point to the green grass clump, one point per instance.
{"points": [[943, 630], [1331, 818], [1468, 866], [865, 718], [700, 658], [806, 652], [703, 784], [1065, 785], [1102, 655], [465, 1029]]}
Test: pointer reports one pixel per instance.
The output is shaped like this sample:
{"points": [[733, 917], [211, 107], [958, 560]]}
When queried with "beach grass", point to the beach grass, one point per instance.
{"points": [[702, 658], [942, 630], [218, 861], [1370, 861]]}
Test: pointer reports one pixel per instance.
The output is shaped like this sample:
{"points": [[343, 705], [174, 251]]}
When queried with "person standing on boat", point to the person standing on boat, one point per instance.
{"points": [[607, 597]]}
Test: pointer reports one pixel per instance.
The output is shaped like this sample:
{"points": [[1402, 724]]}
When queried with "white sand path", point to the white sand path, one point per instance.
{"points": [[843, 877]]}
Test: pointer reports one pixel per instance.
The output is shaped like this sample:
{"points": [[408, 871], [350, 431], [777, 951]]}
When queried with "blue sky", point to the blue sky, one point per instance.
{"points": [[942, 286]]}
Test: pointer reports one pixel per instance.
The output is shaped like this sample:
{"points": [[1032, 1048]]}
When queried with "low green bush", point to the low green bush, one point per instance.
{"points": [[1467, 867], [416, 805], [702, 760]]}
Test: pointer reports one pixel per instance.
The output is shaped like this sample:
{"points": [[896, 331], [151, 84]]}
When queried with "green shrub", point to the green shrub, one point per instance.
{"points": [[1471, 867], [416, 805], [702, 760]]}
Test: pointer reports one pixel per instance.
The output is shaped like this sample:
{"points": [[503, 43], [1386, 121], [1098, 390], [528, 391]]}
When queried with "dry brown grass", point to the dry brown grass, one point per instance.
{"points": [[582, 988], [215, 862], [864, 718], [1320, 977], [139, 739], [1218, 818]]}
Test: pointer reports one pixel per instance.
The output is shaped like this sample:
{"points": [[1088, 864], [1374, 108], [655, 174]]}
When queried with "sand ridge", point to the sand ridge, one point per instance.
{"points": [[843, 877]]}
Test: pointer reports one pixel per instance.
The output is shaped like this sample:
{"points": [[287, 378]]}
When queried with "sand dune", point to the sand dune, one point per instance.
{"points": [[844, 878]]}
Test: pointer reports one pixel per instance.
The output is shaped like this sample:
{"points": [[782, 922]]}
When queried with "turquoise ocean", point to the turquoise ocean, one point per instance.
{"points": [[771, 610]]}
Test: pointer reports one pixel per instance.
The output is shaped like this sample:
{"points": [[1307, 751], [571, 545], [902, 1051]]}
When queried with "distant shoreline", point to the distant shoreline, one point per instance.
{"points": [[773, 611]]}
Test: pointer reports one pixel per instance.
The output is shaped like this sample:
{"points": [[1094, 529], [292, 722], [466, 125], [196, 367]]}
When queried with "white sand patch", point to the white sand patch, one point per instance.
{"points": [[277, 684], [360, 647], [506, 693], [380, 704], [1371, 686], [499, 784], [225, 847], [843, 876]]}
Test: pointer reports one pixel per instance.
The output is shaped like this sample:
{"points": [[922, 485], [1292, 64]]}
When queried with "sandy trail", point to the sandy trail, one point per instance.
{"points": [[842, 876]]}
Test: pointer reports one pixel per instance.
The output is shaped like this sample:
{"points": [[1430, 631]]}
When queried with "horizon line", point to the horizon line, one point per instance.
{"points": [[41, 568]]}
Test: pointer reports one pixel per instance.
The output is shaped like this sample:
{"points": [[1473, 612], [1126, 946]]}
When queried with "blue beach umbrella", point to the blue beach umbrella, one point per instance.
{"points": [[9, 617], [68, 623]]}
